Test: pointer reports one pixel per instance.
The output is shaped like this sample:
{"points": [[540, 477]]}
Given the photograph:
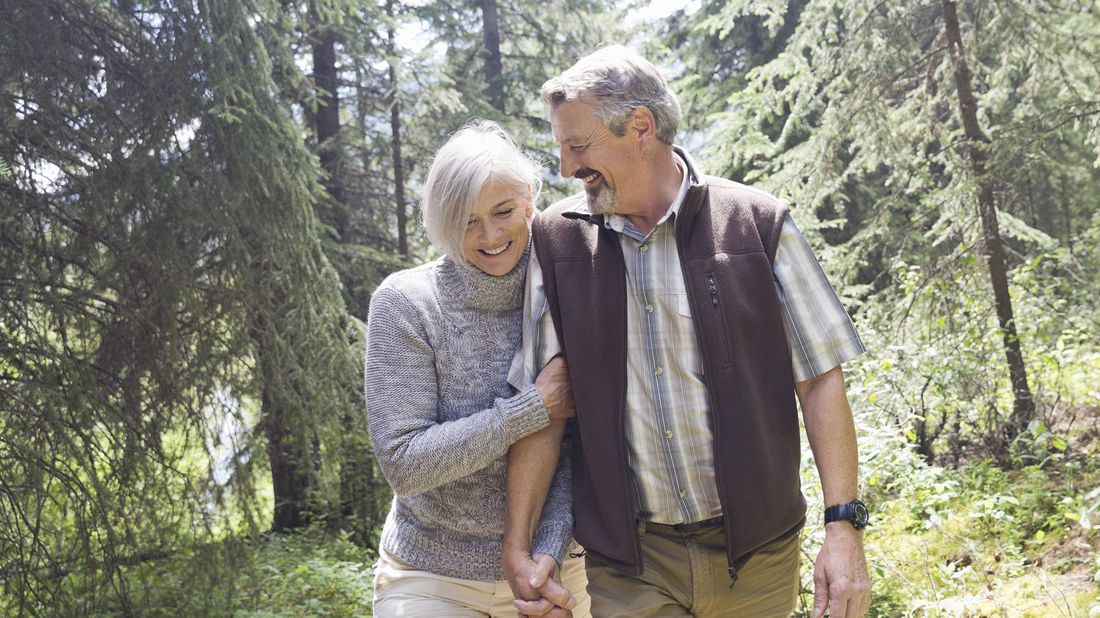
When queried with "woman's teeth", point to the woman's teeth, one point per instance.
{"points": [[498, 250]]}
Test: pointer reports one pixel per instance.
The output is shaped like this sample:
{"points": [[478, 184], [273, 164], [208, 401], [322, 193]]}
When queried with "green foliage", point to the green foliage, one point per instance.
{"points": [[537, 40], [181, 280], [161, 263], [853, 120], [181, 273], [985, 540], [306, 573], [975, 540], [930, 371]]}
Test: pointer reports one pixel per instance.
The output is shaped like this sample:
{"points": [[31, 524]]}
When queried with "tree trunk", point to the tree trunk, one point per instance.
{"points": [[1023, 410], [327, 123], [494, 81], [356, 468], [290, 479], [290, 482], [395, 132]]}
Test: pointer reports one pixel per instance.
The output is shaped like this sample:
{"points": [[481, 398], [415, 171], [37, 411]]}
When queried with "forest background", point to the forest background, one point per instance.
{"points": [[197, 198]]}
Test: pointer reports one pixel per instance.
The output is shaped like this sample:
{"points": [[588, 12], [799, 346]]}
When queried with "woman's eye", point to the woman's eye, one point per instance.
{"points": [[506, 212], [471, 222]]}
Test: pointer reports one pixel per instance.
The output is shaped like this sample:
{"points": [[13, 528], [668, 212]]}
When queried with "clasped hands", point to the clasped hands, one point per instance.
{"points": [[536, 583]]}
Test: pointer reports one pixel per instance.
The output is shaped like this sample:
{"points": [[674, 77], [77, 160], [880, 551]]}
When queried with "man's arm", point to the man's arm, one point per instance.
{"points": [[532, 463], [841, 582], [531, 466]]}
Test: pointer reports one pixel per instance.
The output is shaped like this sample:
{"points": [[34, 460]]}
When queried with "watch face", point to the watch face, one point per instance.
{"points": [[860, 516]]}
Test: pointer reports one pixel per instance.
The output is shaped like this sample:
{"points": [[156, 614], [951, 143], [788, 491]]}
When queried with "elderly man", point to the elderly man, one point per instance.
{"points": [[691, 312]]}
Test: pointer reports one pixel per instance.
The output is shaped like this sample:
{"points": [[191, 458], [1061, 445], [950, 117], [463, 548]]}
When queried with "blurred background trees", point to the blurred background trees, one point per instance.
{"points": [[943, 158], [933, 150], [197, 199]]}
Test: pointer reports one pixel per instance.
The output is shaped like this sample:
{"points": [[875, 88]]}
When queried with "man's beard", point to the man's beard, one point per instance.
{"points": [[602, 201]]}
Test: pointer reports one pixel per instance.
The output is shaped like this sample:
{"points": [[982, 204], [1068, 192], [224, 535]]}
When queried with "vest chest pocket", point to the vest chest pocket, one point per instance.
{"points": [[712, 327]]}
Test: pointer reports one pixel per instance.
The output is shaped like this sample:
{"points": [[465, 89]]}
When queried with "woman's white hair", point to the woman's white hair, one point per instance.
{"points": [[476, 155]]}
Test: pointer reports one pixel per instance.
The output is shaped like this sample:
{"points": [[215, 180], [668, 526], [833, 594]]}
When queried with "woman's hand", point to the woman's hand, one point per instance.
{"points": [[554, 388]]}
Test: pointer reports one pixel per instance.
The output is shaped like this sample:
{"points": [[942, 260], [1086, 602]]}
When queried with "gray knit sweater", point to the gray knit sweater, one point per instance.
{"points": [[440, 341]]}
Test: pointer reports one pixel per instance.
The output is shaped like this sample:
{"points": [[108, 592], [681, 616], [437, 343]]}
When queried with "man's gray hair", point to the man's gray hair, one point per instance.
{"points": [[476, 155], [618, 80]]}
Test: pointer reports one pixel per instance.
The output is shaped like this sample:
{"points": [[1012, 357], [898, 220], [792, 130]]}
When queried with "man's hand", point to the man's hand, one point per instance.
{"points": [[536, 584], [841, 582], [555, 389]]}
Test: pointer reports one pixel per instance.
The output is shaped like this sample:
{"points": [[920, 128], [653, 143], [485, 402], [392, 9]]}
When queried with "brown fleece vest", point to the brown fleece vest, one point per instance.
{"points": [[727, 236]]}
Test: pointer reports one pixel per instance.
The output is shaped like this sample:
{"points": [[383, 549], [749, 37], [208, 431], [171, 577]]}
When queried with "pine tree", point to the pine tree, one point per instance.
{"points": [[163, 276], [856, 122]]}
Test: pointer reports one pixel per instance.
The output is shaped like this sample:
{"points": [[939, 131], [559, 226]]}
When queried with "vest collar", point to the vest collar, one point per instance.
{"points": [[697, 190]]}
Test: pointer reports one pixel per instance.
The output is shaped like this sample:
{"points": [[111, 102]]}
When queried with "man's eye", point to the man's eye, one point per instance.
{"points": [[578, 147]]}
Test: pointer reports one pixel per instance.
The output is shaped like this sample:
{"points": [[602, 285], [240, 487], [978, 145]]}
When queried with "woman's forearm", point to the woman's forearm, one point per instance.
{"points": [[415, 448], [417, 454]]}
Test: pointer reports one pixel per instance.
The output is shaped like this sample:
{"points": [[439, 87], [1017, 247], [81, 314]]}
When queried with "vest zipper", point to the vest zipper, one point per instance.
{"points": [[712, 400], [719, 318]]}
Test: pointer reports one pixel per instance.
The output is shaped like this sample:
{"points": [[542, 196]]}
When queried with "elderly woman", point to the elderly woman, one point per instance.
{"points": [[442, 415]]}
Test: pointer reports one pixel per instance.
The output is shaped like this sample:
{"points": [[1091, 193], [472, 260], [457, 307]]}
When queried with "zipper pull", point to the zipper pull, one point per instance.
{"points": [[713, 287]]}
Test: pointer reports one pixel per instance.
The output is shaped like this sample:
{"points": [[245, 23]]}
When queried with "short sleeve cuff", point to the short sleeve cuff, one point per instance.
{"points": [[834, 355]]}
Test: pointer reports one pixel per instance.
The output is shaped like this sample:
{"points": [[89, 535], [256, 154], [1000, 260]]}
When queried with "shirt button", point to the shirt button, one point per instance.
{"points": [[668, 434], [649, 308], [658, 371], [643, 248]]}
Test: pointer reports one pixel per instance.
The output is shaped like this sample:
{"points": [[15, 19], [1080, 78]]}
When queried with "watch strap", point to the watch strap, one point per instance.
{"points": [[854, 512]]}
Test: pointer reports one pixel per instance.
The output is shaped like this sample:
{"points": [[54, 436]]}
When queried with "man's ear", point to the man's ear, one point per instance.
{"points": [[642, 126]]}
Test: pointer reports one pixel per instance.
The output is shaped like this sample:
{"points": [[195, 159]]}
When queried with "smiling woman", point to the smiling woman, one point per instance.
{"points": [[473, 174], [442, 415], [498, 228]]}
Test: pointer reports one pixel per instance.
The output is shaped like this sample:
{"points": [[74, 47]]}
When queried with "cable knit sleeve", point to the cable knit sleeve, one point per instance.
{"points": [[415, 450], [554, 533]]}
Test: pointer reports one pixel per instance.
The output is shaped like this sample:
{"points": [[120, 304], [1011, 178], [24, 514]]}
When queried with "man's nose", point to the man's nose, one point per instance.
{"points": [[566, 164]]}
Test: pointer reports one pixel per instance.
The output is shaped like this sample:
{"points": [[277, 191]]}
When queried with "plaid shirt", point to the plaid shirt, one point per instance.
{"points": [[668, 429]]}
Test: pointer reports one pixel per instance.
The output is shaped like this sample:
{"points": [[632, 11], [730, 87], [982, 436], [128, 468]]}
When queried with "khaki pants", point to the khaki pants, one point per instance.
{"points": [[401, 589], [685, 574]]}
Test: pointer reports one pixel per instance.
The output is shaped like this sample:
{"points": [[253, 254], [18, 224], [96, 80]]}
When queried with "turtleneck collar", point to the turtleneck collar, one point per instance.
{"points": [[474, 289]]}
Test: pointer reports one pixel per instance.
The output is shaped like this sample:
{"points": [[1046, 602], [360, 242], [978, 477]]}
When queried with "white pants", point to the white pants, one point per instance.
{"points": [[401, 589]]}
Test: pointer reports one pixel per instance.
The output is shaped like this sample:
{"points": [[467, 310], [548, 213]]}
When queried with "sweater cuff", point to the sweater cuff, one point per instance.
{"points": [[524, 415], [553, 540]]}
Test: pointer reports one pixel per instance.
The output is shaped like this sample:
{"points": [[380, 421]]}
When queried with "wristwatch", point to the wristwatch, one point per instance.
{"points": [[854, 512]]}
